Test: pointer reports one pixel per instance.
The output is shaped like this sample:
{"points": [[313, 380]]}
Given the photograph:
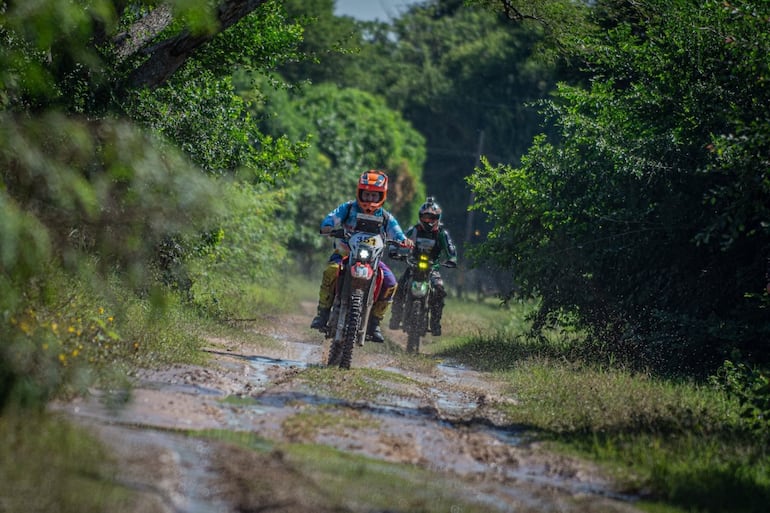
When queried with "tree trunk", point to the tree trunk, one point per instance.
{"points": [[165, 57]]}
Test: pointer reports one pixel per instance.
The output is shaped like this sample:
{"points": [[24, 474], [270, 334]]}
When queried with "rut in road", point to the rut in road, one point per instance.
{"points": [[392, 407]]}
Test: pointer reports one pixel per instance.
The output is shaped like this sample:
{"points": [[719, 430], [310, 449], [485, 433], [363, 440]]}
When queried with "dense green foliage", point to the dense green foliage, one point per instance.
{"points": [[646, 216], [640, 214], [350, 131], [103, 181]]}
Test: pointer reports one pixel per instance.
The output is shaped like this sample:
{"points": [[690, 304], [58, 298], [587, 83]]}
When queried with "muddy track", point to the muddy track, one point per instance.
{"points": [[438, 417]]}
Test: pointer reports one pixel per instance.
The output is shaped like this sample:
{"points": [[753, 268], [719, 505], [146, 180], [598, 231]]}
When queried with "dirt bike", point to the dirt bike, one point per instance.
{"points": [[358, 283], [416, 306]]}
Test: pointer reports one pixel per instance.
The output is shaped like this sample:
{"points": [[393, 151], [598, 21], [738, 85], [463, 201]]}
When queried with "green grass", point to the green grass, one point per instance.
{"points": [[682, 445], [50, 465], [354, 384]]}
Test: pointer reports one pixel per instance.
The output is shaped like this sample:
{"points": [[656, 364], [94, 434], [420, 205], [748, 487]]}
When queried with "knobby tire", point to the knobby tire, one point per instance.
{"points": [[415, 327], [352, 327]]}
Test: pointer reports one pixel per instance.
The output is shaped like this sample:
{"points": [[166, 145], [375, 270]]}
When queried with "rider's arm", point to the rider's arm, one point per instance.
{"points": [[393, 229], [334, 218], [448, 246]]}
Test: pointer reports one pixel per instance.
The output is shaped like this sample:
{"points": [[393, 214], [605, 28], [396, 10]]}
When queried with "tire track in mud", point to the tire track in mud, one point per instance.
{"points": [[444, 421]]}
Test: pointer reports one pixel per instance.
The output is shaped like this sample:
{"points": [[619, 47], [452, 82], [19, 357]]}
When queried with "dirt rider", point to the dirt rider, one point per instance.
{"points": [[429, 227], [372, 191]]}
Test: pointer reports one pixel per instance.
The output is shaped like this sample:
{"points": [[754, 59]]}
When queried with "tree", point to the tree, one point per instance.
{"points": [[89, 175], [350, 131], [646, 215]]}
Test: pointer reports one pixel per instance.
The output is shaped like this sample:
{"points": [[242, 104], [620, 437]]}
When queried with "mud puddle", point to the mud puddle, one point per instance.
{"points": [[444, 421]]}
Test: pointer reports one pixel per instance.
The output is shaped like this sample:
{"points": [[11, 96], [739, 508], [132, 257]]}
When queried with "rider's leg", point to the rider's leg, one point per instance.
{"points": [[381, 303], [397, 310], [326, 292], [437, 303]]}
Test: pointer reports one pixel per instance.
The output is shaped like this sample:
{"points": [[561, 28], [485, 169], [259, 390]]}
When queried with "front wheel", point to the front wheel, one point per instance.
{"points": [[335, 352], [335, 348], [414, 328], [352, 327]]}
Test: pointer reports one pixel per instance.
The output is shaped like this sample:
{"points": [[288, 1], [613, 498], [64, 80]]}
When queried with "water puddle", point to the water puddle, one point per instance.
{"points": [[258, 361], [184, 480], [443, 425], [452, 404]]}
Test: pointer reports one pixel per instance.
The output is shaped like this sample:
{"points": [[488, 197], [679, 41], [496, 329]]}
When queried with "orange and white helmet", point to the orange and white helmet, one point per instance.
{"points": [[372, 181]]}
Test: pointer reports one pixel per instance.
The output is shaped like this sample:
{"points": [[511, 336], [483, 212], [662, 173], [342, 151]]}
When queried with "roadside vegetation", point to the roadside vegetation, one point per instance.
{"points": [[680, 444]]}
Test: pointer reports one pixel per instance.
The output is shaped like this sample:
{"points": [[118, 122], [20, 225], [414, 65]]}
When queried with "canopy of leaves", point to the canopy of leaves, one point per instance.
{"points": [[648, 214], [350, 131], [118, 128]]}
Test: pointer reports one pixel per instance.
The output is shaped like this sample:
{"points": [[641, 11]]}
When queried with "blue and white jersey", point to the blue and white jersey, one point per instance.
{"points": [[344, 216]]}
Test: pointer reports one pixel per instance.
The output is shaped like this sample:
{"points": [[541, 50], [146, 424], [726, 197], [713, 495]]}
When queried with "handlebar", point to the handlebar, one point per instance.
{"points": [[342, 233], [405, 255]]}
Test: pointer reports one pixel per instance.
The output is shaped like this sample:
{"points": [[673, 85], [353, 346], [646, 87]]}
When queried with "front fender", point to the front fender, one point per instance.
{"points": [[361, 271], [419, 289]]}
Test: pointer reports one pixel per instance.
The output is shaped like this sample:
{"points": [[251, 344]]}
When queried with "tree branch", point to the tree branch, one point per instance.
{"points": [[166, 57], [513, 13]]}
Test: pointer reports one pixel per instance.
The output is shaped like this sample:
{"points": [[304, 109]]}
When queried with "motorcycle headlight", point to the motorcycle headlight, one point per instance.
{"points": [[423, 264], [363, 254]]}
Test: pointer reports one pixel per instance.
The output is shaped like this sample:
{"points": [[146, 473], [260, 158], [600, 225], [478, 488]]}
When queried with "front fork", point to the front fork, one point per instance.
{"points": [[346, 284]]}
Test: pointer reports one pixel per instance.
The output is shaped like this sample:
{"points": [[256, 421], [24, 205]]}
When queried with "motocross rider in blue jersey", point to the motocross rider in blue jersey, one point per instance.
{"points": [[429, 227], [372, 191]]}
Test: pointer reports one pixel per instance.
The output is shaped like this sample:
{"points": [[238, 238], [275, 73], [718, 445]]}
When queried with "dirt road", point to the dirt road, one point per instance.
{"points": [[264, 426]]}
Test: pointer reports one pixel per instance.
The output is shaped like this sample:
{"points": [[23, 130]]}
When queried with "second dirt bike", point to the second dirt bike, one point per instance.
{"points": [[416, 306], [358, 283]]}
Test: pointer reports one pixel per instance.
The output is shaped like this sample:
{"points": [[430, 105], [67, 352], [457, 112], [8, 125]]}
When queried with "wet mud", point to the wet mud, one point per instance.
{"points": [[444, 420]]}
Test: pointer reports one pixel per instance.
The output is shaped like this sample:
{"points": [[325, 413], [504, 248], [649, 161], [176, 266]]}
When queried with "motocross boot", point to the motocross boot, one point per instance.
{"points": [[395, 316], [435, 320], [320, 320], [373, 331]]}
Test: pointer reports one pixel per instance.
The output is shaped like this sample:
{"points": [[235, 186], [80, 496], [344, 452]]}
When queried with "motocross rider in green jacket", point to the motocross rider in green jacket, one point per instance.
{"points": [[429, 227]]}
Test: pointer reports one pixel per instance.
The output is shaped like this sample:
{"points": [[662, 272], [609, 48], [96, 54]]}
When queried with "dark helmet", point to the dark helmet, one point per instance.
{"points": [[430, 214]]}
